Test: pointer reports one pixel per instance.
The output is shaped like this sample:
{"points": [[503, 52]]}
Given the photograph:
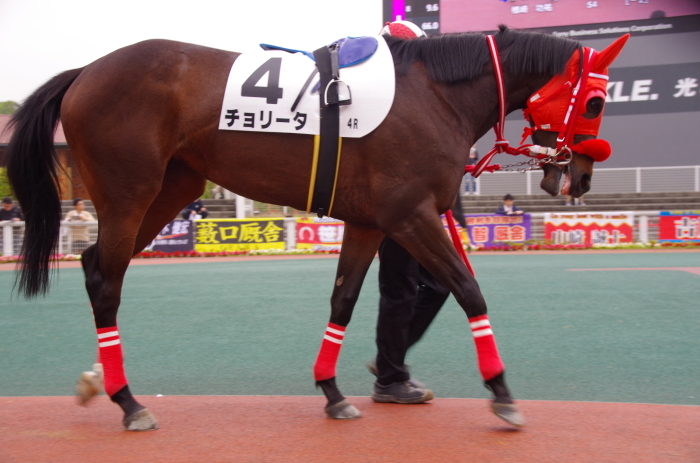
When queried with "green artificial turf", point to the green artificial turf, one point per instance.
{"points": [[255, 327]]}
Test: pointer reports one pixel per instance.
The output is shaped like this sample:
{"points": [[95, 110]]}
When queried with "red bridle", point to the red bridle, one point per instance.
{"points": [[562, 154], [539, 115]]}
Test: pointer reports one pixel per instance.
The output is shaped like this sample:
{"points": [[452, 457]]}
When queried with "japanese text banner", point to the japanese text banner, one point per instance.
{"points": [[216, 235], [487, 230], [679, 226], [589, 227], [317, 234], [176, 236]]}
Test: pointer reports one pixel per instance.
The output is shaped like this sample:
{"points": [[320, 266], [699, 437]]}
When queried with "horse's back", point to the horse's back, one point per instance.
{"points": [[155, 83], [131, 112]]}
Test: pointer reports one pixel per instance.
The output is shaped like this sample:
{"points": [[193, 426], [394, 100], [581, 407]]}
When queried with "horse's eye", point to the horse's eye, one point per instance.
{"points": [[594, 107]]}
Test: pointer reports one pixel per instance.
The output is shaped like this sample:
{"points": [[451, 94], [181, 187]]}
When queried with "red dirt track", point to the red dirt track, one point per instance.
{"points": [[294, 429]]}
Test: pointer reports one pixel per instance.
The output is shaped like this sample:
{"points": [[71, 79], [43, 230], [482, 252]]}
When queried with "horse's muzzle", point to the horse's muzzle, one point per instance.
{"points": [[570, 180]]}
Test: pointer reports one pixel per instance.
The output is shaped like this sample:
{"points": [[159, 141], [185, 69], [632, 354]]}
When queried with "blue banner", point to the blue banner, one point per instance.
{"points": [[176, 236], [487, 230]]}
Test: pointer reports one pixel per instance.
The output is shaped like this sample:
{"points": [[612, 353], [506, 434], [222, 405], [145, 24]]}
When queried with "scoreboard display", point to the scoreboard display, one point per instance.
{"points": [[444, 16], [424, 14], [654, 85]]}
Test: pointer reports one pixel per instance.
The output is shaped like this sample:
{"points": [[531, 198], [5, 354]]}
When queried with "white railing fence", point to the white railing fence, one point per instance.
{"points": [[75, 237], [610, 180]]}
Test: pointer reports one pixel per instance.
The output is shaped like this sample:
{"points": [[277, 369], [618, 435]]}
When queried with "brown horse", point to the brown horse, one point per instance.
{"points": [[142, 125]]}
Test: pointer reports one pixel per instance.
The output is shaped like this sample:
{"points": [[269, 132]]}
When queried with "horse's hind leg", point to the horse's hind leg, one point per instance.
{"points": [[423, 235], [180, 187], [105, 265], [359, 247]]}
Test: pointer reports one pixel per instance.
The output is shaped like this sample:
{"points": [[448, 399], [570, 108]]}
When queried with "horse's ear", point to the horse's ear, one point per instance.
{"points": [[607, 56]]}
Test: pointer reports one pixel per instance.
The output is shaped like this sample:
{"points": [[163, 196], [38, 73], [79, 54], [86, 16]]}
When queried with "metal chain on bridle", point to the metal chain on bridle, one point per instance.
{"points": [[559, 158]]}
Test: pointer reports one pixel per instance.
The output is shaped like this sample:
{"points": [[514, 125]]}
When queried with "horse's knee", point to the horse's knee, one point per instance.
{"points": [[341, 308], [478, 306], [471, 299]]}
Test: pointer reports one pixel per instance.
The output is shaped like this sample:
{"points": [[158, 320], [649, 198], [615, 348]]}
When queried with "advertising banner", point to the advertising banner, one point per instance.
{"points": [[324, 234], [460, 231], [176, 236], [589, 227], [486, 230], [216, 235], [679, 226]]}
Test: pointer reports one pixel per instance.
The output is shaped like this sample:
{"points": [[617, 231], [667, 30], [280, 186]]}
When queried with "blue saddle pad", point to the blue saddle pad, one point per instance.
{"points": [[352, 50]]}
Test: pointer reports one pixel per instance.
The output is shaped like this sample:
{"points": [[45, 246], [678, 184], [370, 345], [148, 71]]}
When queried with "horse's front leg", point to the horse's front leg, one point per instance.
{"points": [[359, 248], [423, 235]]}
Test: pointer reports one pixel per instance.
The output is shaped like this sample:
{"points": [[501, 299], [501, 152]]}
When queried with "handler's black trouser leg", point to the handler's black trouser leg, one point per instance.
{"points": [[431, 297], [410, 299]]}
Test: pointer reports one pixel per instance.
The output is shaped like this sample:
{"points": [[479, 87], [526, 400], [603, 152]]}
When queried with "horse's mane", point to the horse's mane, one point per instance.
{"points": [[457, 57]]}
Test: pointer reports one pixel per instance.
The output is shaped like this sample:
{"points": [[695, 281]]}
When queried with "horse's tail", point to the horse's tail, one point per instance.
{"points": [[31, 170]]}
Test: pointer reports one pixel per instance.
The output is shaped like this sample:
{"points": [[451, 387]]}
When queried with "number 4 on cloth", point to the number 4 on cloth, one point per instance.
{"points": [[352, 123], [272, 92]]}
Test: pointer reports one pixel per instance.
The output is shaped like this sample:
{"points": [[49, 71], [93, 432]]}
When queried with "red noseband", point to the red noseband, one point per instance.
{"points": [[596, 148]]}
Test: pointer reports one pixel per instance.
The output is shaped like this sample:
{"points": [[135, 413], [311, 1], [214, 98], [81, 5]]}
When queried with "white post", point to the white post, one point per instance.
{"points": [[7, 240], [528, 175], [477, 190], [639, 179], [290, 224], [240, 207], [61, 232], [643, 228]]}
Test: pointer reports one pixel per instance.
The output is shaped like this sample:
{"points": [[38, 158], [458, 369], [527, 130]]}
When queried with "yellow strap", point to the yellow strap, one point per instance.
{"points": [[335, 181], [314, 165]]}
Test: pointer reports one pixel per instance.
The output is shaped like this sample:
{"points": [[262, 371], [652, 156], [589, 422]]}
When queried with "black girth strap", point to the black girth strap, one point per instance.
{"points": [[327, 154]]}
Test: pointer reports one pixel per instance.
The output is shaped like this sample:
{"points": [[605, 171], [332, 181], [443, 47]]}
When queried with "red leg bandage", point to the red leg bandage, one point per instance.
{"points": [[330, 350], [490, 363], [112, 359]]}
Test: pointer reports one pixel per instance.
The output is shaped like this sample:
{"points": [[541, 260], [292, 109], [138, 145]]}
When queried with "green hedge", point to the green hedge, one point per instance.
{"points": [[5, 189]]}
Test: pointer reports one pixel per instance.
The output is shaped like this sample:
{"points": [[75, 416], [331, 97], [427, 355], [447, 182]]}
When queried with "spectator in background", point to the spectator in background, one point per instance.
{"points": [[8, 212], [79, 236], [508, 207], [217, 192], [195, 210], [470, 183], [570, 200]]}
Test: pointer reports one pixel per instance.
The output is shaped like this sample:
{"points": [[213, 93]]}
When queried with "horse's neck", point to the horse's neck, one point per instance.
{"points": [[477, 102]]}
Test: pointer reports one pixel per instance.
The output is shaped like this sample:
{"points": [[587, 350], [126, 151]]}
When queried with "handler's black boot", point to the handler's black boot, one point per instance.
{"points": [[372, 367], [401, 393]]}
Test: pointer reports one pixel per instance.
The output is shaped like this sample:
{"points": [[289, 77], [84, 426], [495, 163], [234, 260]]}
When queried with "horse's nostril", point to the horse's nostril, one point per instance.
{"points": [[585, 183]]}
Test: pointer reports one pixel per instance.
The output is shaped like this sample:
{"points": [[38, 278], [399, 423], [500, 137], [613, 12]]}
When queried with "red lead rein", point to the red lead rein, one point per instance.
{"points": [[457, 242]]}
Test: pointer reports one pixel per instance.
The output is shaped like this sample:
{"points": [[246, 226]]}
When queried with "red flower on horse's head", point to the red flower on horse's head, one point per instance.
{"points": [[402, 30]]}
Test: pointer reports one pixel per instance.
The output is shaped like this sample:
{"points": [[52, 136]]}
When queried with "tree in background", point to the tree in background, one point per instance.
{"points": [[5, 189], [8, 107]]}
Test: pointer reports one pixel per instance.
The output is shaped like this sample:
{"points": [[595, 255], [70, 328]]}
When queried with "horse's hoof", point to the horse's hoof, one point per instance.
{"points": [[90, 384], [142, 420], [510, 413], [343, 410]]}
